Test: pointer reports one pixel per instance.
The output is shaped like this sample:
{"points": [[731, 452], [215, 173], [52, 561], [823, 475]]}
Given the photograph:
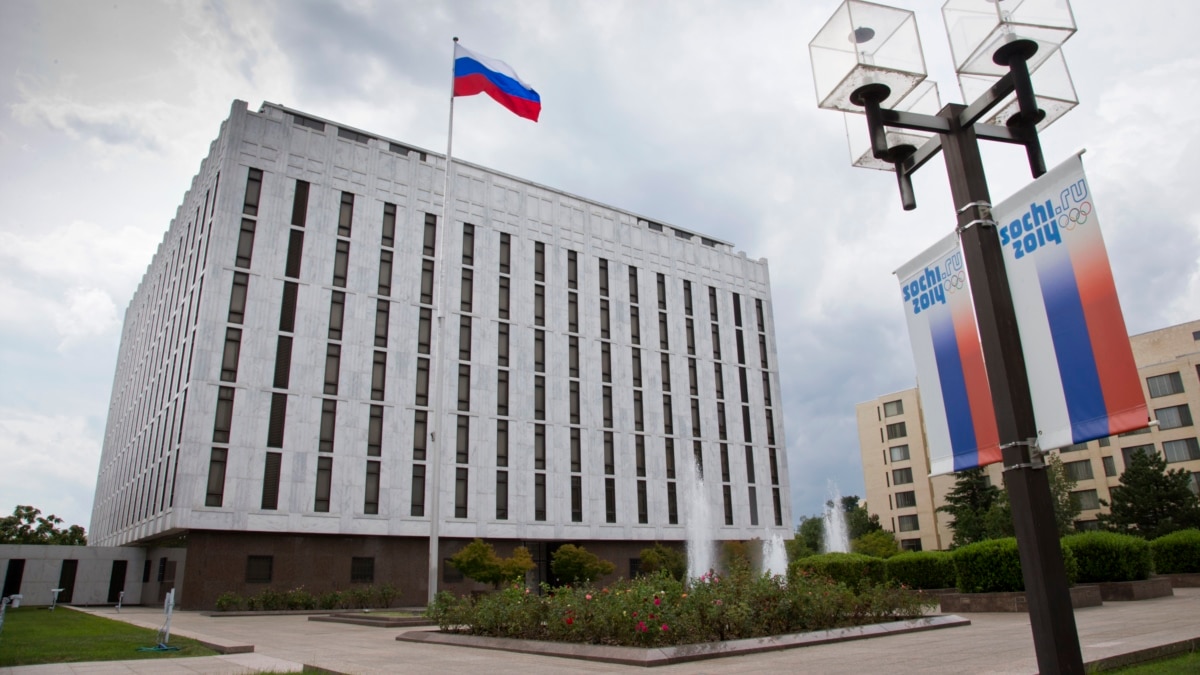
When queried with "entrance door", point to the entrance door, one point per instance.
{"points": [[116, 582], [12, 579], [66, 580]]}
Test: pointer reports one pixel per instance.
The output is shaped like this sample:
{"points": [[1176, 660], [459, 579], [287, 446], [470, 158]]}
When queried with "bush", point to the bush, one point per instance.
{"points": [[879, 543], [330, 600], [922, 569], [994, 566], [298, 598], [384, 595], [1177, 553], [268, 600], [851, 569], [229, 602], [574, 564], [1108, 556], [661, 558], [658, 610]]}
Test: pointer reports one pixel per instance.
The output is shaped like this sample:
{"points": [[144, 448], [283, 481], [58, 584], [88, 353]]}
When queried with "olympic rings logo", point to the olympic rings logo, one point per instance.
{"points": [[955, 282], [1076, 216]]}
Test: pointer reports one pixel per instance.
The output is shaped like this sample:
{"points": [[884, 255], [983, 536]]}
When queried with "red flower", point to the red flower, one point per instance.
{"points": [[641, 626], [665, 628], [657, 601], [570, 620], [635, 615]]}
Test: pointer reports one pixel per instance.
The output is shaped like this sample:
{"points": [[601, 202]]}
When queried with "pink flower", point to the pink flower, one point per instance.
{"points": [[588, 596], [641, 626], [635, 615], [719, 603], [665, 628], [657, 601]]}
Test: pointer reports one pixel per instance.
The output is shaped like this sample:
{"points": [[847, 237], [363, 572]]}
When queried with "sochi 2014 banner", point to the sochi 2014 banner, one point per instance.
{"points": [[960, 422], [1082, 375]]}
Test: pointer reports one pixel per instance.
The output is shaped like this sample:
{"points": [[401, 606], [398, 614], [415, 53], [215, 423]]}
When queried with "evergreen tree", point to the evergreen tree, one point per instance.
{"points": [[969, 503], [812, 532], [1152, 501], [859, 522], [999, 523]]}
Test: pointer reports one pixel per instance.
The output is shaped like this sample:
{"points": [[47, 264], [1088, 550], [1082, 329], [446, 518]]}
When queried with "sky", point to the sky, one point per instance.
{"points": [[694, 113]]}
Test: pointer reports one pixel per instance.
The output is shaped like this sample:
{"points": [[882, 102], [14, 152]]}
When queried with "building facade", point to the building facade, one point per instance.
{"points": [[317, 371], [895, 455]]}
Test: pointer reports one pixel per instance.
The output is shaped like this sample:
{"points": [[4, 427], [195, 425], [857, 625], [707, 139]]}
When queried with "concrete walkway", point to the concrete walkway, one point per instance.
{"points": [[993, 643]]}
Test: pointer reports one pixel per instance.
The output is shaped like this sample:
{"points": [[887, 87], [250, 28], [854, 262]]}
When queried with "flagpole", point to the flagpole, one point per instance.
{"points": [[434, 453]]}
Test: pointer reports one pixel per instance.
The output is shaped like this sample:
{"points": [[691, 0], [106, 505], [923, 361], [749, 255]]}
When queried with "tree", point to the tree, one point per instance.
{"points": [[999, 522], [1152, 501], [797, 548], [968, 503], [859, 521], [478, 561], [27, 526], [812, 532], [664, 559], [574, 564], [879, 543]]}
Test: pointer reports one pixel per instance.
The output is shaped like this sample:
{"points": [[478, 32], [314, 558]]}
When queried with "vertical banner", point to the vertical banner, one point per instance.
{"points": [[960, 422], [1082, 376]]}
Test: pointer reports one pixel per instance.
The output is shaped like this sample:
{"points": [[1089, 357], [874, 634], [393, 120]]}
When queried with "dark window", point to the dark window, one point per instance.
{"points": [[287, 308], [610, 499], [505, 252], [430, 238], [906, 499], [333, 365], [501, 443], [1181, 450], [753, 505], [539, 351], [576, 499], [362, 570], [464, 338], [897, 430], [636, 364], [1172, 418], [308, 122], [426, 282], [229, 360], [345, 214], [295, 254], [216, 477], [382, 312], [253, 192], [270, 492], [378, 375], [375, 432], [539, 496], [502, 392], [468, 290], [276, 423], [422, 383], [337, 314], [328, 424], [463, 440], [258, 569], [245, 246], [389, 226], [468, 245], [603, 278], [502, 344], [224, 419], [460, 493], [573, 356], [418, 491], [539, 446], [385, 272], [283, 362], [642, 506], [1164, 385], [237, 297], [727, 497], [502, 298], [672, 504], [464, 387], [902, 476], [324, 482], [420, 434], [539, 261], [341, 262], [424, 329], [501, 495], [539, 398]]}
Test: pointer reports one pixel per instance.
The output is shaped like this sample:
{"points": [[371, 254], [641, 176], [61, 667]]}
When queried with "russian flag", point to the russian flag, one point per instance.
{"points": [[478, 74]]}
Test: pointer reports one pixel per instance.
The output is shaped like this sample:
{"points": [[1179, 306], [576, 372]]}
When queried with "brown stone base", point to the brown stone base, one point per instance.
{"points": [[217, 563], [1181, 580], [953, 603], [1135, 590]]}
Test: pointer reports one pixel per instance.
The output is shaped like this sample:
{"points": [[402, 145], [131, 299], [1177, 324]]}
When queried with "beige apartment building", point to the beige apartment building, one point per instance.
{"points": [[895, 455]]}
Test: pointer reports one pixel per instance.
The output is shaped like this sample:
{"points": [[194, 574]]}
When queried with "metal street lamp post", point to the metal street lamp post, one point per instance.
{"points": [[867, 62]]}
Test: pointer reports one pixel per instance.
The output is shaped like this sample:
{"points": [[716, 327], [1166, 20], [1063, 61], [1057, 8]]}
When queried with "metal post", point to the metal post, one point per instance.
{"points": [[1051, 616]]}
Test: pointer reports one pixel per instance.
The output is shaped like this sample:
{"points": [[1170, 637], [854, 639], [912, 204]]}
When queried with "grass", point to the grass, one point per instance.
{"points": [[34, 635], [1175, 665]]}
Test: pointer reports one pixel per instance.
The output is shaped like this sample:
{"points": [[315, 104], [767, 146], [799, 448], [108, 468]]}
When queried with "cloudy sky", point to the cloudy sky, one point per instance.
{"points": [[700, 114]]}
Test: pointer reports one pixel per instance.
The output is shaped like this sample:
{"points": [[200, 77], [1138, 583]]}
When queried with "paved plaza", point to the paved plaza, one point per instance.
{"points": [[993, 643]]}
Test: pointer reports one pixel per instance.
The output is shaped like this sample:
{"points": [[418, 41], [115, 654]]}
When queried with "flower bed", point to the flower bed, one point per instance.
{"points": [[658, 610]]}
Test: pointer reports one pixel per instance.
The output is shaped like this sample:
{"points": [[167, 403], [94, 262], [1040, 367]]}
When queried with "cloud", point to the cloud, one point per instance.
{"points": [[88, 312], [103, 127], [50, 462], [81, 253]]}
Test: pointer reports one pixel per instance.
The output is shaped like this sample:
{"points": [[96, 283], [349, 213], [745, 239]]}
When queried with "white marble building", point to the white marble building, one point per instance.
{"points": [[310, 316]]}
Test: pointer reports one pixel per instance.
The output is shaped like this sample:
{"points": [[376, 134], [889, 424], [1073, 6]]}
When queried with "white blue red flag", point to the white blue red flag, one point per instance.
{"points": [[1082, 375], [478, 74], [960, 421]]}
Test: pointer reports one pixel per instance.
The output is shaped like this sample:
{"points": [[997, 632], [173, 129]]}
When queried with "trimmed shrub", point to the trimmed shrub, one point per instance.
{"points": [[1108, 556], [922, 569], [229, 602], [994, 566], [665, 559], [1177, 553], [851, 569]]}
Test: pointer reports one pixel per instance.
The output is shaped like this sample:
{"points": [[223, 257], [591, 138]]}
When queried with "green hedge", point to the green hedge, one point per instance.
{"points": [[994, 566], [848, 568], [1108, 556], [1177, 553], [922, 569]]}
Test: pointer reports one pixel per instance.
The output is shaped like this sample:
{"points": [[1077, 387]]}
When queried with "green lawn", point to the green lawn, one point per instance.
{"points": [[1175, 665], [33, 635]]}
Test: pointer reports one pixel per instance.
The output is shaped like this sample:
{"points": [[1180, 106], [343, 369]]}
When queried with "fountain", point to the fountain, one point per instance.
{"points": [[774, 556], [837, 536], [699, 527]]}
